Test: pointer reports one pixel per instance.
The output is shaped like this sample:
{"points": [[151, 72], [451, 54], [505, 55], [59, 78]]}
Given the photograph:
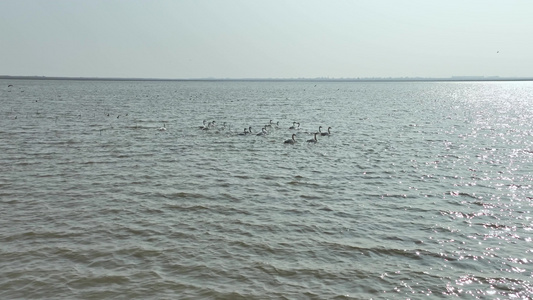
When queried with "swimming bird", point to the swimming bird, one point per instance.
{"points": [[263, 131], [245, 132], [164, 128], [325, 133], [209, 125], [203, 127], [293, 125], [313, 140], [272, 124], [292, 140]]}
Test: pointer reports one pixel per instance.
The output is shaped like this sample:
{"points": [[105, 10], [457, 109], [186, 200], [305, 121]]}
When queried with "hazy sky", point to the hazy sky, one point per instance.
{"points": [[266, 39]]}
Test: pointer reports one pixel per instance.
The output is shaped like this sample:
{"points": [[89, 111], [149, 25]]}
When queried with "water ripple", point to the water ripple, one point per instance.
{"points": [[422, 190]]}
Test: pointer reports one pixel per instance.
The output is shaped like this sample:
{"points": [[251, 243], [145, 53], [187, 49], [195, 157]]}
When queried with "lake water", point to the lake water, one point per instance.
{"points": [[422, 190]]}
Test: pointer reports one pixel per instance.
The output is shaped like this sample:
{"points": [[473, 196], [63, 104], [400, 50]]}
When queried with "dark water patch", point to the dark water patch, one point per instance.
{"points": [[43, 235], [311, 197], [184, 195]]}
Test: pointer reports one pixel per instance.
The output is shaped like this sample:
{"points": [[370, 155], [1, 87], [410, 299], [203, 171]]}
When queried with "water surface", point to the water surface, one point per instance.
{"points": [[422, 189]]}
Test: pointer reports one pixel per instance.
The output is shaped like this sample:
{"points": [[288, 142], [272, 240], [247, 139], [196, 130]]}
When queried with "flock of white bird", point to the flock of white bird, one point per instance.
{"points": [[265, 130]]}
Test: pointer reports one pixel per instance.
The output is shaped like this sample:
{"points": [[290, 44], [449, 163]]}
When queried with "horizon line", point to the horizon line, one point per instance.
{"points": [[347, 79]]}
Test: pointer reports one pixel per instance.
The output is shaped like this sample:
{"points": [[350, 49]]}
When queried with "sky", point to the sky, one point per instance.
{"points": [[181, 39]]}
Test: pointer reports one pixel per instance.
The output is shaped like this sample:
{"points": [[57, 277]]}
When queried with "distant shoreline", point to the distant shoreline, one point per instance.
{"points": [[404, 79]]}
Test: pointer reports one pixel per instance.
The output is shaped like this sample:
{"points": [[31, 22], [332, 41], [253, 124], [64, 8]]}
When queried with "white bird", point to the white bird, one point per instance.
{"points": [[325, 133], [209, 125], [245, 132], [292, 140], [313, 140], [294, 125], [164, 128], [272, 124], [203, 127], [263, 131]]}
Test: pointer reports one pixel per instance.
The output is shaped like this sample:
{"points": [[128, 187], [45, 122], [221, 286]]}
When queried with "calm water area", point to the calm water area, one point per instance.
{"points": [[111, 190]]}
